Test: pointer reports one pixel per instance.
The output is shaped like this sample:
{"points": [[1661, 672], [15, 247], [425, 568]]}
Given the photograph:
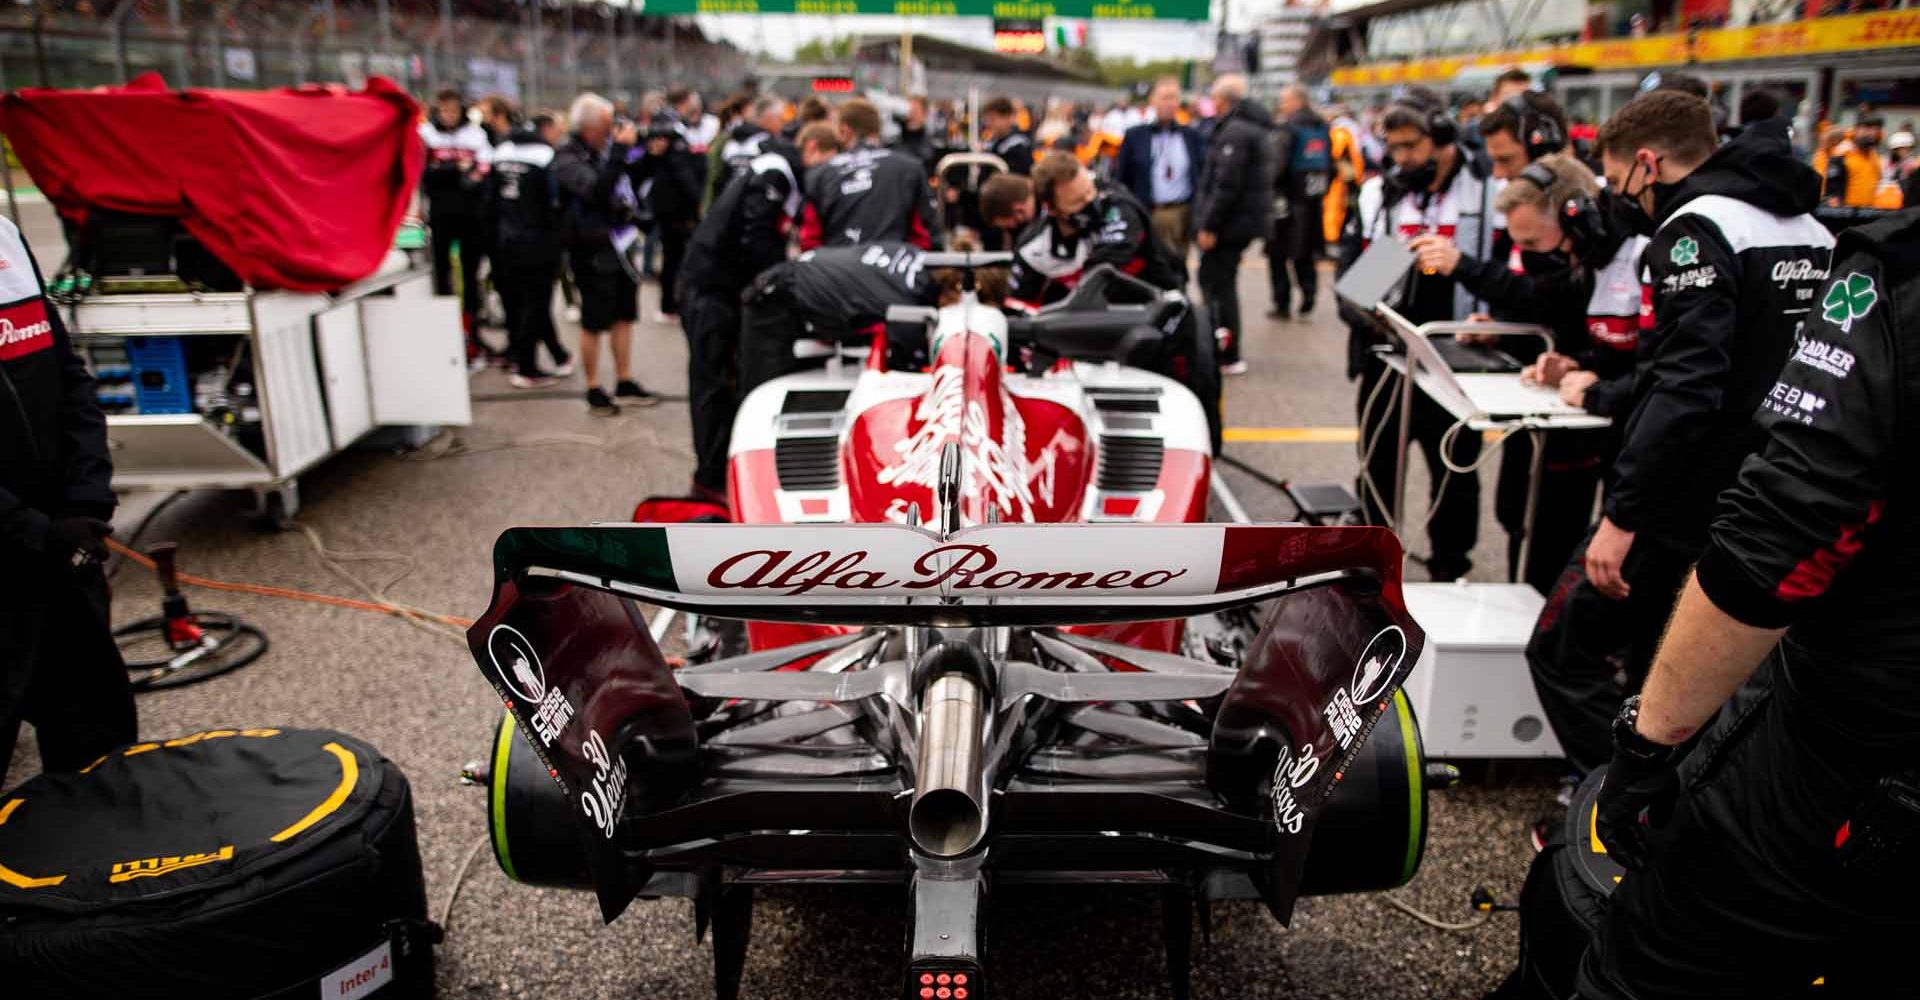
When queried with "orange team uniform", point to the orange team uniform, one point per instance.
{"points": [[1863, 177], [1350, 165]]}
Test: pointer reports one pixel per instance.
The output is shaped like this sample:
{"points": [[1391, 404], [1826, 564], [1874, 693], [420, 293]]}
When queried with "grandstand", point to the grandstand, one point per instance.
{"points": [[540, 54]]}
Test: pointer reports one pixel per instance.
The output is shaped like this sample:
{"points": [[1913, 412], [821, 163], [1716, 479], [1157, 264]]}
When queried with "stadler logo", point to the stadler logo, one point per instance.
{"points": [[517, 664]]}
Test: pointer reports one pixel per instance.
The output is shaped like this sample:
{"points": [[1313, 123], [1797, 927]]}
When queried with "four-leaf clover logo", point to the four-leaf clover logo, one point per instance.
{"points": [[1848, 299], [1686, 252]]}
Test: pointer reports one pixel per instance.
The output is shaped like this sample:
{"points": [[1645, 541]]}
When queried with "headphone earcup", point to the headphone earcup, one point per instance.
{"points": [[1583, 220], [1441, 128]]}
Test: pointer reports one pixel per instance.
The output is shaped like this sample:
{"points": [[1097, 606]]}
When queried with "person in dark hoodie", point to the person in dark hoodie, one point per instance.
{"points": [[669, 174], [59, 666], [1232, 205], [1781, 847], [1303, 170], [528, 237], [1734, 263], [457, 155], [758, 128], [914, 139], [744, 233]]}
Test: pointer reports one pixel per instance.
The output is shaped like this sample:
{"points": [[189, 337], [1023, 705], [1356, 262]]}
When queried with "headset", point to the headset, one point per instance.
{"points": [[1580, 217], [1539, 132], [1440, 126]]}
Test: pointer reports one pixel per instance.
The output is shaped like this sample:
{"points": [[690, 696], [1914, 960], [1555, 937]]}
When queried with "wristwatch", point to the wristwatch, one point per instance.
{"points": [[1628, 739]]}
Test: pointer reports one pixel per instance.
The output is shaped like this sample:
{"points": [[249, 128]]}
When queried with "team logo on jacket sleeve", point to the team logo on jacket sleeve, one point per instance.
{"points": [[1848, 299], [24, 329], [1686, 252]]}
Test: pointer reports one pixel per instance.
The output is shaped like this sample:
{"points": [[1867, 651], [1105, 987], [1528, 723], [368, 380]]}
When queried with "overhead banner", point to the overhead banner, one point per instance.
{"points": [[1006, 10], [1819, 36]]}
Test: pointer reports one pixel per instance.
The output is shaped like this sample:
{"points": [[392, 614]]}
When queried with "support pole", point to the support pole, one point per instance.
{"points": [[182, 79], [906, 63]]}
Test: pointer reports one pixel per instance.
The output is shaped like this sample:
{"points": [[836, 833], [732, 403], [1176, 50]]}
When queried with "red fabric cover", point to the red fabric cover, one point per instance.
{"points": [[297, 188]]}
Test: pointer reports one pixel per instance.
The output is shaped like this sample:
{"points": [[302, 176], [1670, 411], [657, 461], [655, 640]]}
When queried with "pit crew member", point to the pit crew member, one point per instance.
{"points": [[868, 193]]}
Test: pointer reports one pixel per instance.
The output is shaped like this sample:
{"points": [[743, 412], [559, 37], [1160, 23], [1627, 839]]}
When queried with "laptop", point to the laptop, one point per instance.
{"points": [[1494, 395], [1379, 278]]}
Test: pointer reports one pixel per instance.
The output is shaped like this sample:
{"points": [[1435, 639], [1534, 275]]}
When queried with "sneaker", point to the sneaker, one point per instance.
{"points": [[572, 313], [500, 361], [1278, 313], [1234, 368], [538, 380], [599, 405], [476, 364], [665, 317], [1306, 310], [564, 369], [630, 390]]}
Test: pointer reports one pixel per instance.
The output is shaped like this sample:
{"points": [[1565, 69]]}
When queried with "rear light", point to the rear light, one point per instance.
{"points": [[943, 993], [926, 992], [926, 979], [959, 993], [944, 979], [947, 983]]}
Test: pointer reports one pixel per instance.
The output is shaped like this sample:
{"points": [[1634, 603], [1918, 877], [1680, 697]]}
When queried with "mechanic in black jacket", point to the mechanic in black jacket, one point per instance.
{"points": [[529, 238], [1790, 851], [457, 155], [833, 293], [744, 233], [1303, 170], [670, 176], [1000, 126], [1086, 223], [1734, 266], [59, 666], [868, 193], [1232, 205]]}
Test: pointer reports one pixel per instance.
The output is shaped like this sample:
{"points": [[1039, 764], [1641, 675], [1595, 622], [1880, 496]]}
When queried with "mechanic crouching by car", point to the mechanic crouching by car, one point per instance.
{"points": [[744, 233], [1788, 846], [1086, 223], [1434, 187], [59, 666], [1734, 265]]}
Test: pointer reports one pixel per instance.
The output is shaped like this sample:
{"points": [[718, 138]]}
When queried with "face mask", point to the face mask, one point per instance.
{"points": [[1087, 219], [1417, 178], [1866, 143], [1624, 214]]}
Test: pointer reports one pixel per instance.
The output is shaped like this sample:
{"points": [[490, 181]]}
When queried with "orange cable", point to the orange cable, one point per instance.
{"points": [[294, 595]]}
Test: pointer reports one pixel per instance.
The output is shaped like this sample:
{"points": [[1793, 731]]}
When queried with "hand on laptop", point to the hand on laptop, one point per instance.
{"points": [[1573, 387], [1549, 370], [1437, 254]]}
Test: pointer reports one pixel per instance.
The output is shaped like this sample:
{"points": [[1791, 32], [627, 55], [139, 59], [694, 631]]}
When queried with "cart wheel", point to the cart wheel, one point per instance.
{"points": [[154, 663]]}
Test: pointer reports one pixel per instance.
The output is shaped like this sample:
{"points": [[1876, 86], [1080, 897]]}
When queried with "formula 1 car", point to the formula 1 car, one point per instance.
{"points": [[991, 639]]}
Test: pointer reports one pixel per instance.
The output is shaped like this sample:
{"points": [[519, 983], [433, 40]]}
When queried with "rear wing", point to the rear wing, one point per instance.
{"points": [[995, 574]]}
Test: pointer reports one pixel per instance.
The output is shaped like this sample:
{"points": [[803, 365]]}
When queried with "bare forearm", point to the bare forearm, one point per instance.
{"points": [[1704, 658]]}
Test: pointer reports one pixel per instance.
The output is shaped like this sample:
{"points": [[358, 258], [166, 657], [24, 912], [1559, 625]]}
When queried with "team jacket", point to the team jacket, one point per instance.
{"points": [[1047, 263], [1820, 532], [1734, 267], [850, 288], [1016, 148], [53, 438], [456, 159], [588, 179], [745, 230], [523, 201], [868, 195]]}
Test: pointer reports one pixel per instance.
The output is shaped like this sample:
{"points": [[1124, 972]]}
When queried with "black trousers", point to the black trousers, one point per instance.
{"points": [[60, 669], [712, 324], [1220, 287], [471, 235], [526, 291], [1294, 246], [1569, 485], [769, 325], [1454, 526], [1589, 651], [1746, 894], [673, 250]]}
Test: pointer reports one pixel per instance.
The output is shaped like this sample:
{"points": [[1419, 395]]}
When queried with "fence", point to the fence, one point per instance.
{"points": [[540, 54]]}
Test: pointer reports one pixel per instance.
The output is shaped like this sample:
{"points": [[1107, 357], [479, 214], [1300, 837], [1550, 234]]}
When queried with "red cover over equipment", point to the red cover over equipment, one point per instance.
{"points": [[296, 188]]}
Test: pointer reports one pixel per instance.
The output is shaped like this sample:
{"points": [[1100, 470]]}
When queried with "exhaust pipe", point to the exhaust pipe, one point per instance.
{"points": [[948, 816]]}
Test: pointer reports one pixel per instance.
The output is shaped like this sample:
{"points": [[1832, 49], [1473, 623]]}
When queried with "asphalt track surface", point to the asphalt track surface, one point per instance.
{"points": [[542, 459]]}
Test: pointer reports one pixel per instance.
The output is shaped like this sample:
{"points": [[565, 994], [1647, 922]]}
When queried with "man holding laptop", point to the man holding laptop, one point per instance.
{"points": [[1433, 187]]}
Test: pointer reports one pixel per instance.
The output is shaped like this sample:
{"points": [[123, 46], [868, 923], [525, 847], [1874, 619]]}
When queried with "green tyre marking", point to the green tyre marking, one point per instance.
{"points": [[502, 748], [1416, 803]]}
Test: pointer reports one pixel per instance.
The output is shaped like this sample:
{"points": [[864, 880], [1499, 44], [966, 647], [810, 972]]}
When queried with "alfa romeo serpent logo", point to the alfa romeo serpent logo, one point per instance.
{"points": [[1848, 299], [1686, 252]]}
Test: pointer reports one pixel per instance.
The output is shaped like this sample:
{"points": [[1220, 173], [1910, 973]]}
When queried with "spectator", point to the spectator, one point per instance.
{"points": [[1303, 167], [1349, 169], [498, 117], [59, 666], [589, 170], [733, 115], [695, 125], [457, 154], [1232, 206], [810, 111], [1852, 170], [867, 193], [1159, 163], [999, 125]]}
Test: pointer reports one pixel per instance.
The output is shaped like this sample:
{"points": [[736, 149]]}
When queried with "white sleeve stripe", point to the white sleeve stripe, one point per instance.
{"points": [[1746, 227]]}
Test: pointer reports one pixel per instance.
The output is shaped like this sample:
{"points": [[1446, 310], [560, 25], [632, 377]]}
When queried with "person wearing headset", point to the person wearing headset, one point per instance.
{"points": [[1433, 187], [1544, 286]]}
